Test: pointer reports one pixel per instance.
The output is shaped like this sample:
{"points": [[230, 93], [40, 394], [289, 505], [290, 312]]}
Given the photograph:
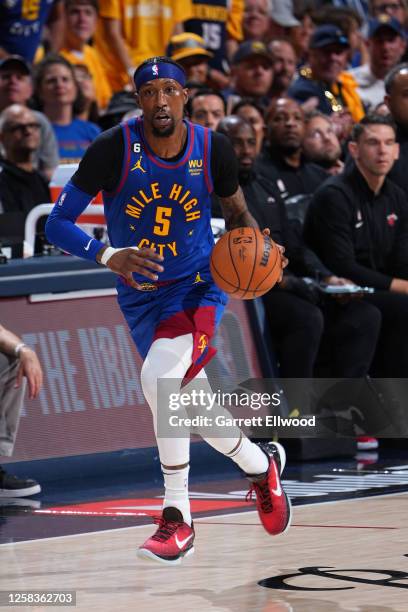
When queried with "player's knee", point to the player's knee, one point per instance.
{"points": [[148, 380]]}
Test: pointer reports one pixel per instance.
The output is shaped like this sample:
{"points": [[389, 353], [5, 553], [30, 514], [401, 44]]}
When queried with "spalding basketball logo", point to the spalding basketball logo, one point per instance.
{"points": [[155, 70], [266, 252]]}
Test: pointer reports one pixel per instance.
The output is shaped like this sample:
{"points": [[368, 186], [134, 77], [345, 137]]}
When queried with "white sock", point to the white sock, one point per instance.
{"points": [[250, 458], [176, 491]]}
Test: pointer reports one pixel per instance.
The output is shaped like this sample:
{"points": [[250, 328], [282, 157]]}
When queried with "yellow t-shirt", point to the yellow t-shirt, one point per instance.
{"points": [[146, 27], [90, 59]]}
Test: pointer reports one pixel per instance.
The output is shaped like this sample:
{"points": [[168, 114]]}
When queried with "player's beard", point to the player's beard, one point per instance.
{"points": [[165, 132]]}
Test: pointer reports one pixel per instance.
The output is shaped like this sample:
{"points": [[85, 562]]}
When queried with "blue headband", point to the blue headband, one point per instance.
{"points": [[159, 70]]}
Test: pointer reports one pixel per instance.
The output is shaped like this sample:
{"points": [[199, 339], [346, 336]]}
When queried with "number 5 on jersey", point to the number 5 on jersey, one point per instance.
{"points": [[163, 215]]}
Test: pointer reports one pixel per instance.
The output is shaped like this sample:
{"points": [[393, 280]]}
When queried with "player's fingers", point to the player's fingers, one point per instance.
{"points": [[130, 280], [142, 270], [146, 263], [145, 258], [285, 261], [147, 253]]}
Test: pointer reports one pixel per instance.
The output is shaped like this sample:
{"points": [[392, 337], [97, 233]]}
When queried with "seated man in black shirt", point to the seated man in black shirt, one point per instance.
{"points": [[396, 86], [282, 161], [345, 333], [21, 186], [358, 224]]}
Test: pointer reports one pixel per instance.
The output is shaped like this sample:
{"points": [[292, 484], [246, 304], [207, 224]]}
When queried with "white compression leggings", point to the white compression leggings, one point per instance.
{"points": [[170, 358]]}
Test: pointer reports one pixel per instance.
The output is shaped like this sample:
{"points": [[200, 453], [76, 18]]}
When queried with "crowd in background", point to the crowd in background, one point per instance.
{"points": [[314, 98]]}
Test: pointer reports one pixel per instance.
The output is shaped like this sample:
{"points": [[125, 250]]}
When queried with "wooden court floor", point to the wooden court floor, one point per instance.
{"points": [[339, 556]]}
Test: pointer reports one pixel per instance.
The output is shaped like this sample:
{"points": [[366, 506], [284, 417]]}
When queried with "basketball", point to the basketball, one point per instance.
{"points": [[245, 263]]}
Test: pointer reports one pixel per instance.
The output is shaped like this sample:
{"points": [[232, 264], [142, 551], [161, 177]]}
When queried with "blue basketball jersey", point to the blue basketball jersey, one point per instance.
{"points": [[164, 204], [21, 24]]}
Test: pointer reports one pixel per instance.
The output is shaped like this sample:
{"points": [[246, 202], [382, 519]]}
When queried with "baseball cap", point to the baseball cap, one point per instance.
{"points": [[328, 34], [251, 48], [186, 45], [384, 21], [14, 61], [282, 13]]}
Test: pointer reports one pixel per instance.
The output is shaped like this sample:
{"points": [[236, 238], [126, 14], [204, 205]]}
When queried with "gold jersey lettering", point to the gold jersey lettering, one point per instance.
{"points": [[175, 192], [155, 191], [144, 196], [132, 211], [138, 202], [160, 247], [185, 196], [143, 243], [209, 13], [189, 205], [172, 247], [192, 216]]}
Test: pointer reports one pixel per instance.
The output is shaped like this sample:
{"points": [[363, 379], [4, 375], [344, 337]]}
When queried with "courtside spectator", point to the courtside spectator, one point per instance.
{"points": [[386, 47], [357, 223], [190, 51], [282, 161], [80, 25], [320, 143], [301, 33], [207, 108], [90, 108], [255, 22], [253, 113], [22, 187], [350, 23], [325, 78], [393, 8], [281, 18], [284, 66], [396, 99], [16, 87], [57, 92], [252, 73], [18, 364]]}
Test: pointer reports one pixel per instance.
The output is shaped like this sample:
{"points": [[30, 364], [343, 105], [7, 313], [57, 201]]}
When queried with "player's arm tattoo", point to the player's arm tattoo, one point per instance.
{"points": [[235, 211]]}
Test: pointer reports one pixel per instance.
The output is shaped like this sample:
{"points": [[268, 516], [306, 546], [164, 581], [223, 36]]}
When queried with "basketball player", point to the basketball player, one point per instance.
{"points": [[157, 173]]}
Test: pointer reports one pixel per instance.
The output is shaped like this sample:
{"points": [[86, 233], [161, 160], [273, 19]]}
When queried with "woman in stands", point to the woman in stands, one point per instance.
{"points": [[60, 99]]}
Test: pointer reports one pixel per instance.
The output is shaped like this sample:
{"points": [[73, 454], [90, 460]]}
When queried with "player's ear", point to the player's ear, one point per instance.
{"points": [[137, 98], [185, 95]]}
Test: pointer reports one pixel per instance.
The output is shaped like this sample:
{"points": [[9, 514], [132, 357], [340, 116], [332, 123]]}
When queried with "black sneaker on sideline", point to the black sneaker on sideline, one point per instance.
{"points": [[12, 486]]}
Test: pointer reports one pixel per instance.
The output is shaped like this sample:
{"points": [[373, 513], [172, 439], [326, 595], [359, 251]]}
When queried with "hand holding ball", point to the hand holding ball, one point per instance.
{"points": [[245, 263]]}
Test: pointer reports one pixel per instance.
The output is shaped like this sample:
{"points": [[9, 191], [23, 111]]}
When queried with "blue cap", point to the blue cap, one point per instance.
{"points": [[326, 35], [385, 21]]}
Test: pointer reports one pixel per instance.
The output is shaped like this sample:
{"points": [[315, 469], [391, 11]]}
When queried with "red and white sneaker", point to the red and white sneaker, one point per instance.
{"points": [[172, 541], [367, 443], [273, 505]]}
